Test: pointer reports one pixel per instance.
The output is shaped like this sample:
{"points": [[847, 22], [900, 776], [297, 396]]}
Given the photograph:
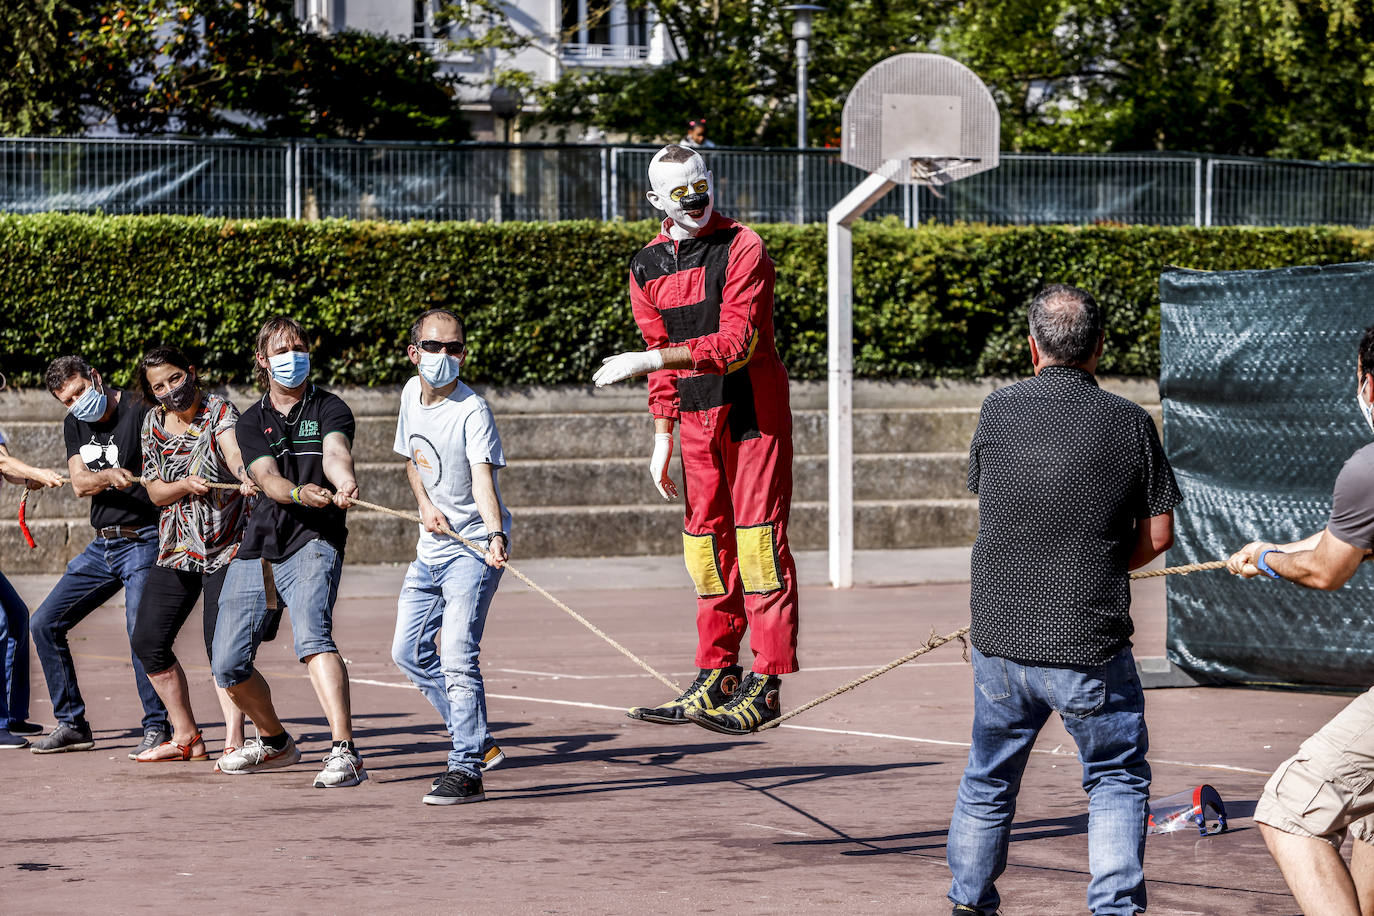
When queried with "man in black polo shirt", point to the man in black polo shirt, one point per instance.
{"points": [[296, 443], [104, 455], [1074, 491]]}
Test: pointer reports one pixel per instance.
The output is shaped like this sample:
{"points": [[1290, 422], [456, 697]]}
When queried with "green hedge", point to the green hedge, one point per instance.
{"points": [[545, 302]]}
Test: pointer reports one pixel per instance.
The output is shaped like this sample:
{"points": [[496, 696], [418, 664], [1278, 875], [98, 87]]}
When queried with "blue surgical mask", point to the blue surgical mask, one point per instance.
{"points": [[90, 406], [289, 369], [439, 368], [1365, 407]]}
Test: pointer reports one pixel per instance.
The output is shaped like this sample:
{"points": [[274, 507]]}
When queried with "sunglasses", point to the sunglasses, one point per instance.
{"points": [[451, 347]]}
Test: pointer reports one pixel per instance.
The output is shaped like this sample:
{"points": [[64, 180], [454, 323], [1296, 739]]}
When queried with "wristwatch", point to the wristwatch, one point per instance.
{"points": [[1264, 567]]}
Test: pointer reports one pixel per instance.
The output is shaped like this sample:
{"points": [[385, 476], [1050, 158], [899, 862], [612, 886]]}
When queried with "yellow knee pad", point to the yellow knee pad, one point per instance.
{"points": [[758, 559], [699, 550]]}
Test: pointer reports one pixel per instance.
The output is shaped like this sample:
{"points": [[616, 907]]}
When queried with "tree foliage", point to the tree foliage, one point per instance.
{"points": [[1290, 78], [214, 67]]}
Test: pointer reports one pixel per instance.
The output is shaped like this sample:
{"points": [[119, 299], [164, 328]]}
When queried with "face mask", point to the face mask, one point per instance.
{"points": [[90, 406], [682, 186], [290, 368], [181, 397], [439, 368], [1365, 407]]}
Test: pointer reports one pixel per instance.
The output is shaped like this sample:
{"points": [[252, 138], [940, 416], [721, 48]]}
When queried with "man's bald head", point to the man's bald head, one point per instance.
{"points": [[1067, 324]]}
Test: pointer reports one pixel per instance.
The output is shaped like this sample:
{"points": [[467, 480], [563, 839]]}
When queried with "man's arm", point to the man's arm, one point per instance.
{"points": [[433, 519], [86, 482], [277, 488], [484, 494], [1154, 535], [20, 473], [338, 468], [1325, 566]]}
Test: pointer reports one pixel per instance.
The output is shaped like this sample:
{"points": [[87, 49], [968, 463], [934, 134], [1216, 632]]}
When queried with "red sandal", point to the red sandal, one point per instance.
{"points": [[183, 751]]}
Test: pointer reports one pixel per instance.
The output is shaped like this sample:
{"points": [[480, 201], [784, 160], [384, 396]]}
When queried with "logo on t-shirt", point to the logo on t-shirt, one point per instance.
{"points": [[99, 456], [427, 459], [310, 428]]}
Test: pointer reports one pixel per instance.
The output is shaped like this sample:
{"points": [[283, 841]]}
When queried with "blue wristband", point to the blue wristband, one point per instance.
{"points": [[1264, 567]]}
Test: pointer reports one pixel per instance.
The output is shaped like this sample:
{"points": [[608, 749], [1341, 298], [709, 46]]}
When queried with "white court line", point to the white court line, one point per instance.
{"points": [[778, 829], [812, 728]]}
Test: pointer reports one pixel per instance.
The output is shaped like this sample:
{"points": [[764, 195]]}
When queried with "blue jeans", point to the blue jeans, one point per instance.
{"points": [[1103, 709], [307, 581], [95, 576], [14, 653], [456, 596]]}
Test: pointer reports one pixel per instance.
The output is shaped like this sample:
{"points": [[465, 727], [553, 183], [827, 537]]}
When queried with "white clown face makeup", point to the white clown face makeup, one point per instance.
{"points": [[684, 191]]}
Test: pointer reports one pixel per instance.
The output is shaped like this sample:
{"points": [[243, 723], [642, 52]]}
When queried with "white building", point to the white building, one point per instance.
{"points": [[562, 34]]}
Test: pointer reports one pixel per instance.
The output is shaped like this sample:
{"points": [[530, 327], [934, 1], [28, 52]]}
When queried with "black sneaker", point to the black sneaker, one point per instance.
{"points": [[492, 758], [9, 741], [24, 728], [456, 788], [962, 910], [64, 738], [754, 703], [153, 735], [710, 690]]}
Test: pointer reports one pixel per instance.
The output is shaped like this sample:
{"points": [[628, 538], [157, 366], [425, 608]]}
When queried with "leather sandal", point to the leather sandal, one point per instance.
{"points": [[183, 751]]}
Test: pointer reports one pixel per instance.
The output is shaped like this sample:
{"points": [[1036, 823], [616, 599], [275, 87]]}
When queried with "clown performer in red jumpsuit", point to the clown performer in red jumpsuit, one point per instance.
{"points": [[702, 294]]}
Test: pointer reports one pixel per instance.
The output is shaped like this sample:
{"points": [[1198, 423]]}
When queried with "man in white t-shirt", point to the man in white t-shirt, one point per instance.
{"points": [[452, 451]]}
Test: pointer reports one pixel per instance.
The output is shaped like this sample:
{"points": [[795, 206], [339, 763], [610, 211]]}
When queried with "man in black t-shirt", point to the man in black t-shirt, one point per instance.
{"points": [[296, 444], [104, 456]]}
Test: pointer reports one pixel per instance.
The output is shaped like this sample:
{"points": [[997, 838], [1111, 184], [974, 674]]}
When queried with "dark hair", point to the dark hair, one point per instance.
{"points": [[273, 327], [160, 356], [1366, 354], [62, 369], [430, 313], [674, 153], [1066, 323]]}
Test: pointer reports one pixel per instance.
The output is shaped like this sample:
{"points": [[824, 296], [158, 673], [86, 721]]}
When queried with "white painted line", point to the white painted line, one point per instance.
{"points": [[778, 829], [1055, 752]]}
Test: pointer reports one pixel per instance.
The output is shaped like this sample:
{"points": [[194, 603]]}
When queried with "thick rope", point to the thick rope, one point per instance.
{"points": [[931, 644], [481, 549], [1179, 570], [934, 642]]}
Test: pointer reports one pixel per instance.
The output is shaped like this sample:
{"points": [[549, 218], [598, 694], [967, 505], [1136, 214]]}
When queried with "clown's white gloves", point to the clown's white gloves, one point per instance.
{"points": [[627, 365], [658, 465]]}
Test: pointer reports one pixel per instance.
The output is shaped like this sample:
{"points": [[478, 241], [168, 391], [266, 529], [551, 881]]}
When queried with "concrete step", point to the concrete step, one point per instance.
{"points": [[570, 531]]}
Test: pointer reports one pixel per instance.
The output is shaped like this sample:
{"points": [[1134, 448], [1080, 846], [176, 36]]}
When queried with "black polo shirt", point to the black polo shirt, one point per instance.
{"points": [[114, 443], [296, 440], [1063, 471]]}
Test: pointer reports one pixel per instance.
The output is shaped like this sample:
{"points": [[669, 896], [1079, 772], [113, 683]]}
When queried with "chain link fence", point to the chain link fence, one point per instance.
{"points": [[497, 182]]}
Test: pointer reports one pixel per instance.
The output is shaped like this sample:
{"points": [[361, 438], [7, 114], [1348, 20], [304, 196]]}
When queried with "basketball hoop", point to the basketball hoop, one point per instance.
{"points": [[915, 119]]}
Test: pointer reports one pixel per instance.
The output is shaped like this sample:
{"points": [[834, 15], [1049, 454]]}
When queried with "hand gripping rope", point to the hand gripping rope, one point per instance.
{"points": [[934, 642]]}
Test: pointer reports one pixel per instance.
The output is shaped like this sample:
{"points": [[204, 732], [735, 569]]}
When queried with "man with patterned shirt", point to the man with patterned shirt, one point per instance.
{"points": [[702, 294], [1074, 491]]}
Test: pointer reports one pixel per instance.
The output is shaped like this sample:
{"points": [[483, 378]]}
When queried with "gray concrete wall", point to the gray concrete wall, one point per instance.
{"points": [[578, 482]]}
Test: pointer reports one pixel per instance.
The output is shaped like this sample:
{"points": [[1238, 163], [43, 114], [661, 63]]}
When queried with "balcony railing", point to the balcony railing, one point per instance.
{"points": [[603, 55]]}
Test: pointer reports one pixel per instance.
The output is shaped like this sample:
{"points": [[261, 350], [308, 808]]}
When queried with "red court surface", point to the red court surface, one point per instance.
{"points": [[844, 810]]}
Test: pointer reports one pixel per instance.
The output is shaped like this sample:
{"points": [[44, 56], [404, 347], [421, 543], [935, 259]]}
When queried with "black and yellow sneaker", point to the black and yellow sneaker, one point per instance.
{"points": [[754, 703], [710, 690]]}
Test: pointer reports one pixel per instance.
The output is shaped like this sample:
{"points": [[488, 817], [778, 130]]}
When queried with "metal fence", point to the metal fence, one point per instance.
{"points": [[496, 182]]}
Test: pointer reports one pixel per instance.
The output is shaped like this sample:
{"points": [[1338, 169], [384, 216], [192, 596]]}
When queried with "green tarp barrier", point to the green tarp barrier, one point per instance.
{"points": [[1258, 387]]}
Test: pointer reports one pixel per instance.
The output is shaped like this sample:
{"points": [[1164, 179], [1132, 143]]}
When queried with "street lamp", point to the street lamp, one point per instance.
{"points": [[801, 34]]}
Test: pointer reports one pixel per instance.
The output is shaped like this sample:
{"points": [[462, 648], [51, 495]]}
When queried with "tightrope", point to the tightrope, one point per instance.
{"points": [[481, 549], [934, 642]]}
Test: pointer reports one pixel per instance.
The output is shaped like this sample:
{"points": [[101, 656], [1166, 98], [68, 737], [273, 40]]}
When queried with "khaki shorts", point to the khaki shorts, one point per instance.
{"points": [[1326, 789]]}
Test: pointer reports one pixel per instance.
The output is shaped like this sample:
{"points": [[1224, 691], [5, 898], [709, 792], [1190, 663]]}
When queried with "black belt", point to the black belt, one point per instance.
{"points": [[119, 531]]}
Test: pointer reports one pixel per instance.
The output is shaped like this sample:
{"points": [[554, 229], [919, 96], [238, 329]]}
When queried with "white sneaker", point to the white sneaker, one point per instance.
{"points": [[255, 756], [342, 768]]}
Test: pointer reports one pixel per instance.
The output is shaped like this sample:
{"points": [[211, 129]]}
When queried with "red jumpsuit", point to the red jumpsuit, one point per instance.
{"points": [[714, 295]]}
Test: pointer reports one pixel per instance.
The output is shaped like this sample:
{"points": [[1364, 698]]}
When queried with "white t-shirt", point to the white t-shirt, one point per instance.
{"points": [[445, 440]]}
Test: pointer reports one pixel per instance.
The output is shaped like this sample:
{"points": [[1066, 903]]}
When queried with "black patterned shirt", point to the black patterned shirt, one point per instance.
{"points": [[1064, 471]]}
